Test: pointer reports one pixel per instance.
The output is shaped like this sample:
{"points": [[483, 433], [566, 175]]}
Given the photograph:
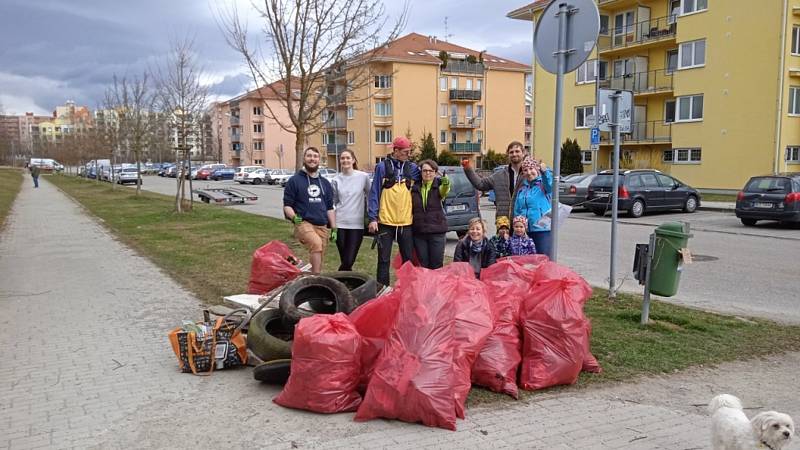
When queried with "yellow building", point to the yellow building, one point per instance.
{"points": [[716, 88], [473, 103]]}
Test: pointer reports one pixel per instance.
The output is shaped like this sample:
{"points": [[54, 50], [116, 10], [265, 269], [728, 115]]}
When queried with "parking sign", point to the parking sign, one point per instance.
{"points": [[595, 136]]}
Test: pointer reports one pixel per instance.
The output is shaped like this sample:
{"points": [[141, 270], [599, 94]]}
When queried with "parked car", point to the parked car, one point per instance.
{"points": [[241, 170], [641, 191], [461, 203], [574, 189], [126, 175], [223, 174], [205, 171], [327, 172], [162, 172], [280, 176], [172, 171], [255, 177], [770, 197]]}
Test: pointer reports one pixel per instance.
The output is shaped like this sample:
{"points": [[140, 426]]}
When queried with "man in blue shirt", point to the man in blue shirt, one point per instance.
{"points": [[308, 203]]}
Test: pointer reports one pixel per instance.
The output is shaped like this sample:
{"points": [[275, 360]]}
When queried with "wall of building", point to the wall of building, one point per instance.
{"points": [[504, 109]]}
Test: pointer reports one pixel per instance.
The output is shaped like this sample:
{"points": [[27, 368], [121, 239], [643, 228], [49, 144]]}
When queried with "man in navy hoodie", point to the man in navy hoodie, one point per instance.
{"points": [[308, 203]]}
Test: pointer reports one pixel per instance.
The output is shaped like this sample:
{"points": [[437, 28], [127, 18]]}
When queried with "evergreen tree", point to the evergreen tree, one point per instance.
{"points": [[428, 146], [448, 159], [571, 157]]}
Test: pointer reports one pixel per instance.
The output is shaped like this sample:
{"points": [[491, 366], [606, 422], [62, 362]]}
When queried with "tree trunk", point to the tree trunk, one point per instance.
{"points": [[138, 173], [299, 142]]}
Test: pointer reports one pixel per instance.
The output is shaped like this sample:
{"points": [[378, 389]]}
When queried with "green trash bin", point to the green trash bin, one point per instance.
{"points": [[665, 274]]}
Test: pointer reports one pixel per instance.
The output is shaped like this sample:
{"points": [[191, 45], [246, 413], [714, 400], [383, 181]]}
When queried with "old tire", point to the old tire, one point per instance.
{"points": [[273, 372], [256, 181], [268, 337], [332, 295], [362, 287], [749, 222]]}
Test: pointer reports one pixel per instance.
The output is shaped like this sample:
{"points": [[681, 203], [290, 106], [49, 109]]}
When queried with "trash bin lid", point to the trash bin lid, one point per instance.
{"points": [[673, 229]]}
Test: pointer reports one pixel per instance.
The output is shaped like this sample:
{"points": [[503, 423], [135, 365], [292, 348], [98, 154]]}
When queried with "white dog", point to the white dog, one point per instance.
{"points": [[731, 430]]}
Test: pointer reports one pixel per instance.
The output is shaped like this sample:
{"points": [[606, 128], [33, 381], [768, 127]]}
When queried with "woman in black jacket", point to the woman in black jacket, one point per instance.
{"points": [[429, 224], [475, 248]]}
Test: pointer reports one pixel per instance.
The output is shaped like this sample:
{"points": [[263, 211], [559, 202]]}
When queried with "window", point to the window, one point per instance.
{"points": [[468, 110], [527, 108], [258, 128], [669, 111], [443, 137], [258, 161], [796, 40], [602, 70], [258, 145], [794, 100], [690, 108], [692, 54], [583, 116], [469, 135], [683, 156], [479, 135], [586, 157], [350, 112], [324, 139], [479, 86], [442, 109], [586, 72], [649, 180], [442, 83], [351, 137], [690, 6], [479, 112], [674, 11], [383, 136], [383, 109], [257, 111], [383, 81], [672, 60], [793, 154], [453, 136], [469, 84], [453, 82], [665, 181], [603, 25]]}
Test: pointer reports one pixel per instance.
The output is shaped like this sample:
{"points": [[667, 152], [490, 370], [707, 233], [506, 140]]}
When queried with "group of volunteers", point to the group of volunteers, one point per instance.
{"points": [[405, 203]]}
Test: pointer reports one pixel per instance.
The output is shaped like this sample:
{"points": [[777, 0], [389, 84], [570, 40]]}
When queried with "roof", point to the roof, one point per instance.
{"points": [[524, 12], [270, 91], [417, 48]]}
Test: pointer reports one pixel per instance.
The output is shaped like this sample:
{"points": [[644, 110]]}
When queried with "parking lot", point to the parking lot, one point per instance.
{"points": [[726, 252]]}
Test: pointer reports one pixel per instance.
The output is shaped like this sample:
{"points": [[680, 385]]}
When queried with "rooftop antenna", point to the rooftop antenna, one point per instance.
{"points": [[447, 35]]}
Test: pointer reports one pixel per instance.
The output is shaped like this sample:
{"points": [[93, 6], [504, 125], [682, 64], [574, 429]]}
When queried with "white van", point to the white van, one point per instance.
{"points": [[46, 164], [241, 170]]}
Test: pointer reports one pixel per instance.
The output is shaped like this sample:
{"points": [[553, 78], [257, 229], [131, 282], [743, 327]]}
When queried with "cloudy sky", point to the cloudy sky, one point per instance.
{"points": [[58, 50]]}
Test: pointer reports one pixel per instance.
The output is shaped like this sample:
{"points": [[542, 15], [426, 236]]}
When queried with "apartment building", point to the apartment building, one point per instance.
{"points": [[716, 88], [249, 133], [19, 132], [468, 100]]}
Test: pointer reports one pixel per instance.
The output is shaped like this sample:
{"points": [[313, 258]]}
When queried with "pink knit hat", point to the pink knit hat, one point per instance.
{"points": [[528, 163], [522, 219]]}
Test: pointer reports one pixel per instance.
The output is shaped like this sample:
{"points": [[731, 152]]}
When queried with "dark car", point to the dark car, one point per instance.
{"points": [[770, 197], [574, 189], [640, 191], [223, 174], [461, 203]]}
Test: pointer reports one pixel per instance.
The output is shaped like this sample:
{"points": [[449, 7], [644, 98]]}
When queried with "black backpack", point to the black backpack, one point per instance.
{"points": [[389, 175]]}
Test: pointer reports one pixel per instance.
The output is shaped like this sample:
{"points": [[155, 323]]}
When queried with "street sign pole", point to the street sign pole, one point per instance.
{"points": [[615, 125], [561, 55]]}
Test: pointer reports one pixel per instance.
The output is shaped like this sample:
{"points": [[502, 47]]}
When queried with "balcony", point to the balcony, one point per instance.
{"points": [[641, 83], [335, 73], [338, 98], [468, 95], [465, 122], [235, 122], [464, 67], [336, 123], [653, 132], [236, 137], [336, 148], [639, 35], [465, 147], [382, 121]]}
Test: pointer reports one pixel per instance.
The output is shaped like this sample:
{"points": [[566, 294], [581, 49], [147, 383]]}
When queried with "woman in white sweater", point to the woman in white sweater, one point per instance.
{"points": [[350, 190]]}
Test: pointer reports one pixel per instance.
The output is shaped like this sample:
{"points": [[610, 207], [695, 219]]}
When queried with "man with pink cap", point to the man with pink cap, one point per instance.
{"points": [[389, 206]]}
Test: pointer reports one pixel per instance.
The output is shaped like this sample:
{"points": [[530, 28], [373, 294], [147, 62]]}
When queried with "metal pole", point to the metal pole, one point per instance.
{"points": [[651, 248], [614, 124], [561, 55]]}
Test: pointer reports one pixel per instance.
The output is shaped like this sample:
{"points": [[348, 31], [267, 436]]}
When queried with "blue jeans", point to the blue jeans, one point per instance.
{"points": [[36, 182], [543, 241]]}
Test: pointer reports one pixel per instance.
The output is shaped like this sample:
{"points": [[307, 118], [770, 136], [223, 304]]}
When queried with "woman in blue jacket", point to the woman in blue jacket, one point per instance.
{"points": [[532, 200]]}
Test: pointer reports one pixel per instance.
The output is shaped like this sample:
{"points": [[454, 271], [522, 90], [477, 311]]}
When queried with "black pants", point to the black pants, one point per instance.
{"points": [[348, 242], [386, 236], [430, 249]]}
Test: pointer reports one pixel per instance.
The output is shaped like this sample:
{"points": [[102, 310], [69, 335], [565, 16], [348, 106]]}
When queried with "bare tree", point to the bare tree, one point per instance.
{"points": [[306, 39], [181, 94], [133, 101]]}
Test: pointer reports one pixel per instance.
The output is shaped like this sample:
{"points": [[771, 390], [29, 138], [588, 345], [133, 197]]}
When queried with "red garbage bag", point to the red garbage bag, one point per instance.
{"points": [[495, 368], [326, 363], [413, 378], [271, 268], [474, 323], [555, 339], [374, 321], [590, 363]]}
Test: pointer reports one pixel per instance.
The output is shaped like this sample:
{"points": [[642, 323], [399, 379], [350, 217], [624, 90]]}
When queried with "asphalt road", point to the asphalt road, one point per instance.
{"points": [[739, 270]]}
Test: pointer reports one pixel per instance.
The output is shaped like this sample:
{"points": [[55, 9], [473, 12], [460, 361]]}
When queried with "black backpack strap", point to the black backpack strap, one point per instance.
{"points": [[388, 173]]}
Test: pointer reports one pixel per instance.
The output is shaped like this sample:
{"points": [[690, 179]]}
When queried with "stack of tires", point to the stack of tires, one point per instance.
{"points": [[271, 330]]}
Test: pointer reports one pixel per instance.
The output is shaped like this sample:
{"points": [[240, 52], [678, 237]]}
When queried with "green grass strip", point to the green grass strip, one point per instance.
{"points": [[10, 184]]}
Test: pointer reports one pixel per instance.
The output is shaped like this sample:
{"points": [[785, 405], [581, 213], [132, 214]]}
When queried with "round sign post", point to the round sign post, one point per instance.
{"points": [[565, 36]]}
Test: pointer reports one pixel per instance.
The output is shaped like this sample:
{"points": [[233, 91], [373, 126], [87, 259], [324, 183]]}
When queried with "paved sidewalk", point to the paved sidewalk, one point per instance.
{"points": [[85, 362]]}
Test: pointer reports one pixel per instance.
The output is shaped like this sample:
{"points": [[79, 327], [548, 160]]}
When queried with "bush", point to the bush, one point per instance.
{"points": [[428, 146], [493, 159], [571, 157], [448, 159]]}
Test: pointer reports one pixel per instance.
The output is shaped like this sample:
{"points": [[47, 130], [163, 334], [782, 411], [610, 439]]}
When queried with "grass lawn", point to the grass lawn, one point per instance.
{"points": [[10, 184], [209, 251]]}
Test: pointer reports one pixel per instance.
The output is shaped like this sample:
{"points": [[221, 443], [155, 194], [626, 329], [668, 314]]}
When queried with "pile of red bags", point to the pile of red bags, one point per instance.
{"points": [[271, 267], [326, 365]]}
